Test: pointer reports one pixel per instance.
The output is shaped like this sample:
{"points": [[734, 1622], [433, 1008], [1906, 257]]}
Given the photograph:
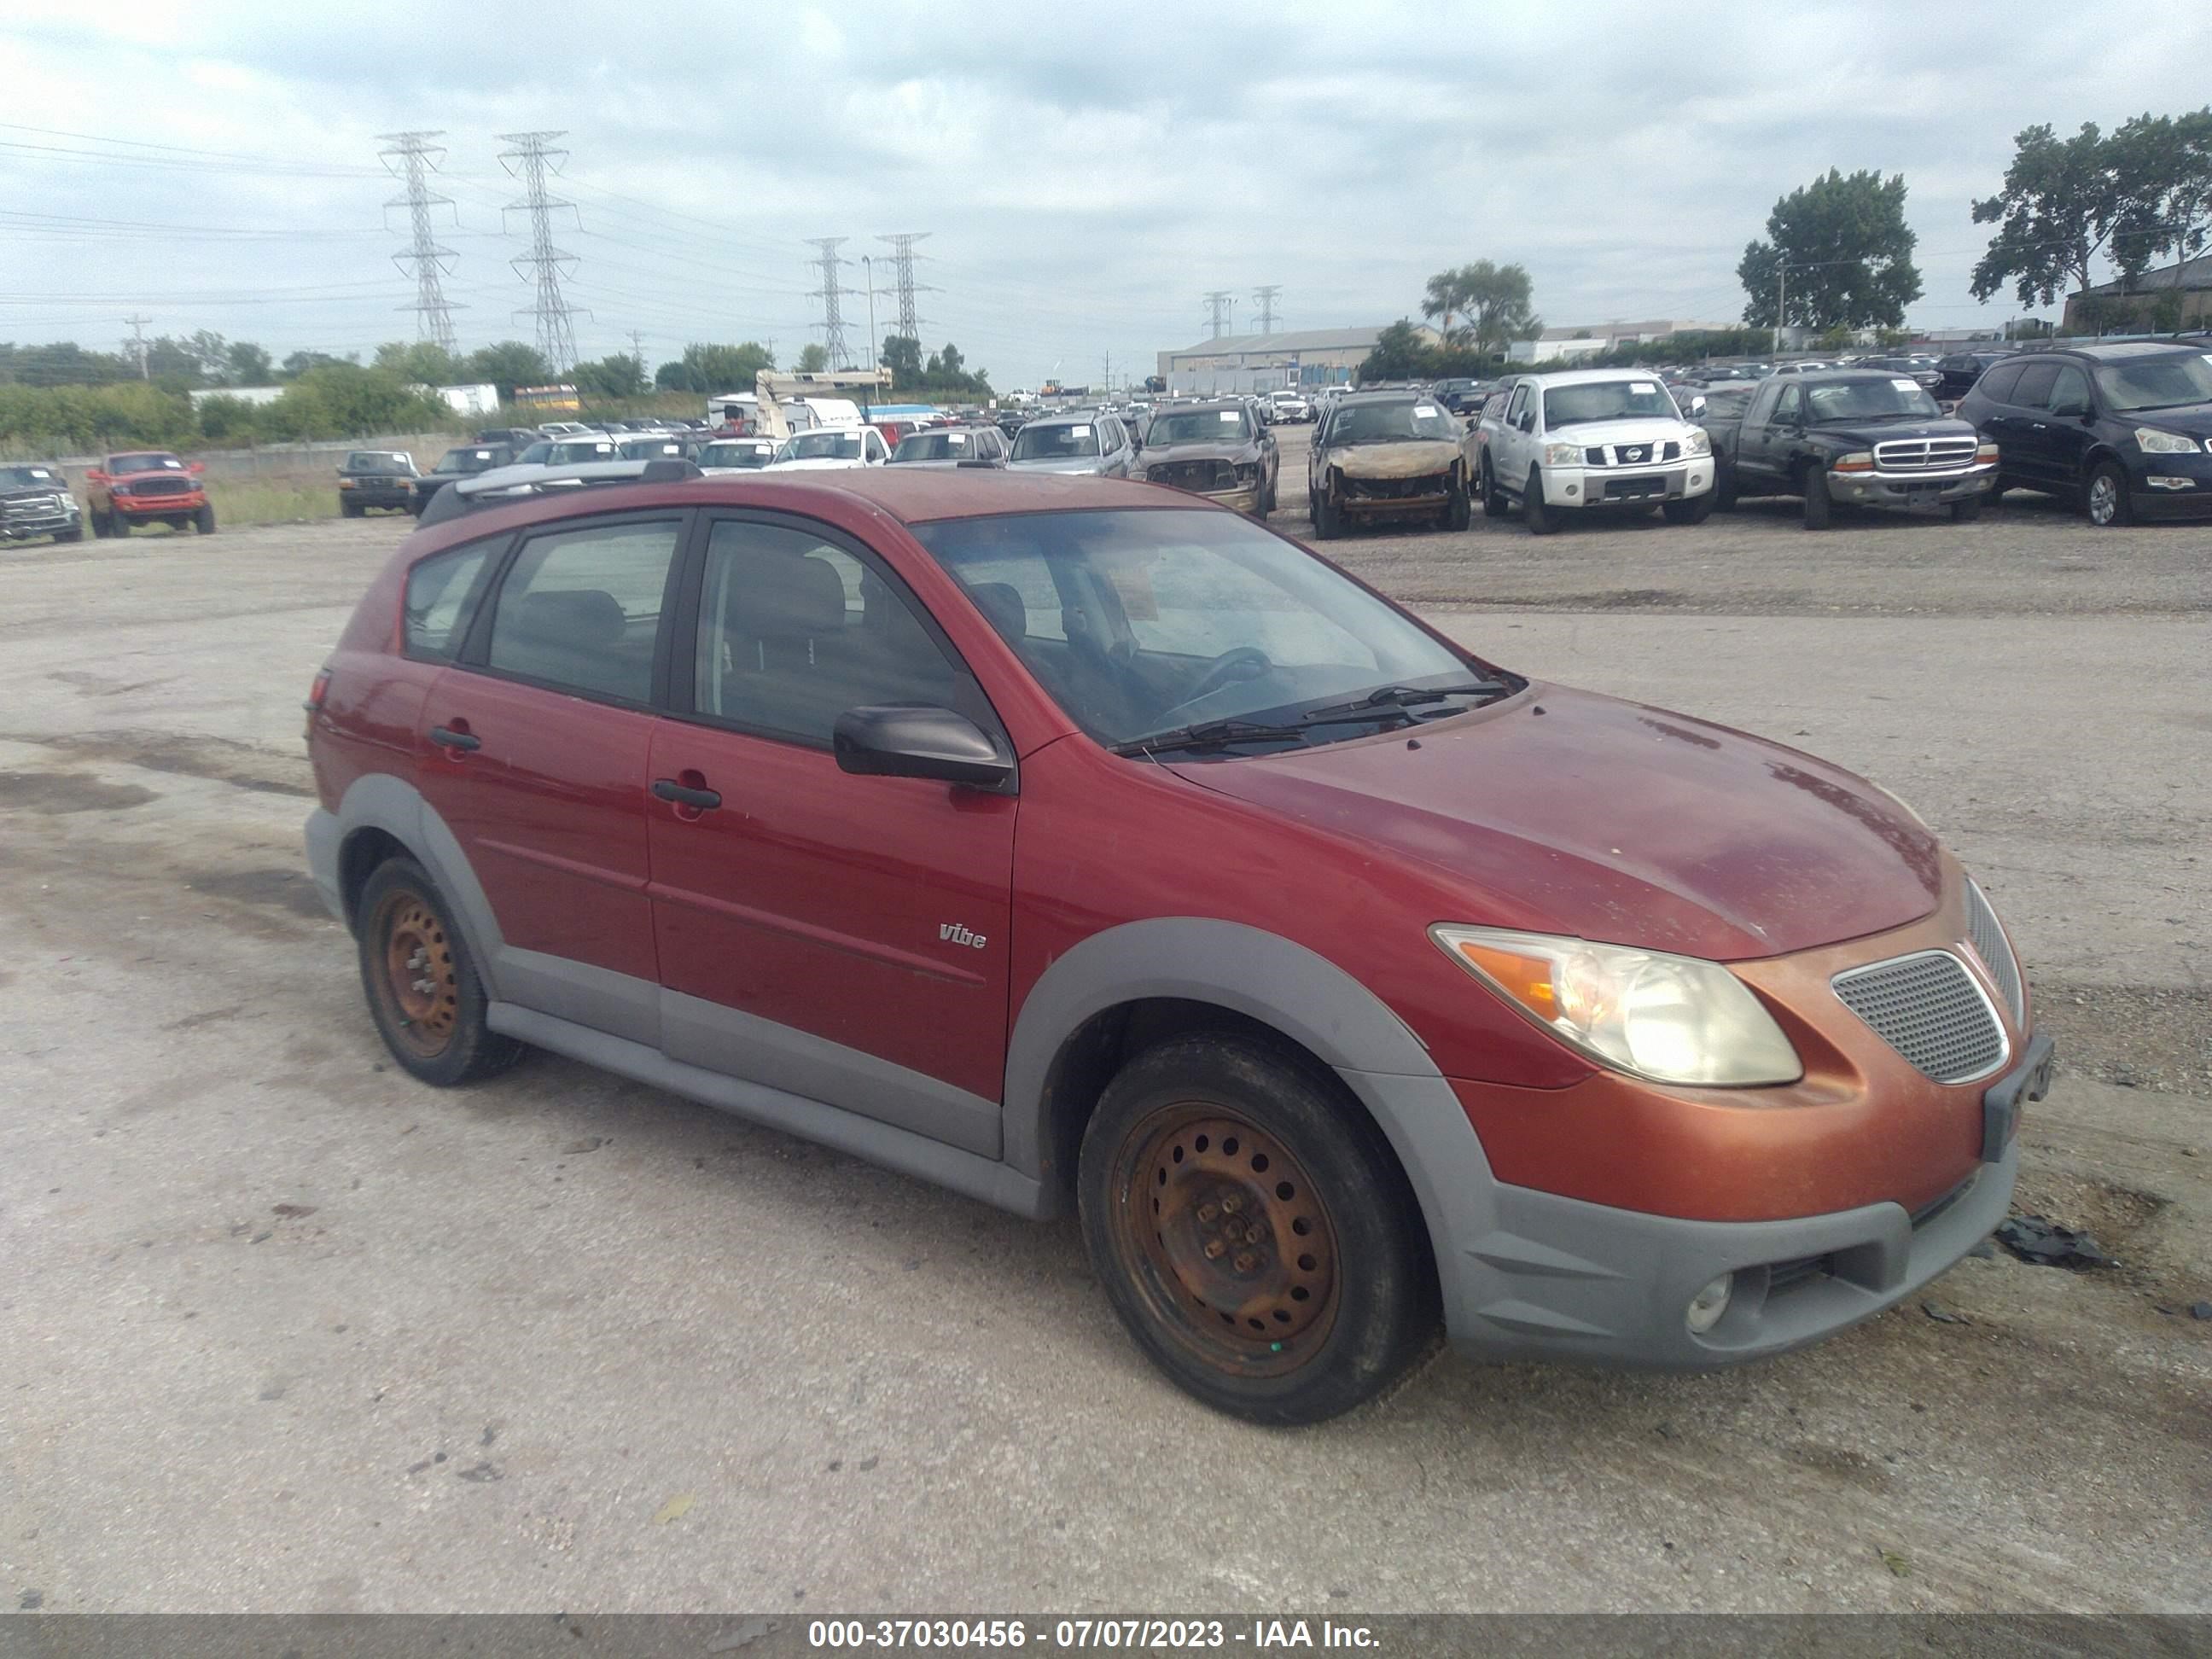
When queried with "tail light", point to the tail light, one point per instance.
{"points": [[313, 705]]}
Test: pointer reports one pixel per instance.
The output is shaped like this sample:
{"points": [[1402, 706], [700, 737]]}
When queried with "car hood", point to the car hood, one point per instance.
{"points": [[1564, 812], [1413, 458], [1247, 451], [2195, 419], [812, 464], [1867, 433], [1644, 429], [1062, 463]]}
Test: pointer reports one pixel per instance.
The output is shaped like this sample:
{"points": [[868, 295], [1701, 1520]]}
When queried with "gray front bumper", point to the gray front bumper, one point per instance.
{"points": [[1911, 489]]}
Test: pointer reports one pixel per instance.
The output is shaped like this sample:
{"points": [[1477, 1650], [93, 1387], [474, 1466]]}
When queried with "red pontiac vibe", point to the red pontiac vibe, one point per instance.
{"points": [[1067, 840]]}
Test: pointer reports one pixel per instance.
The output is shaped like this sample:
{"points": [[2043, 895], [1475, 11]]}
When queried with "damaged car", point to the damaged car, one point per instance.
{"points": [[1216, 450], [1388, 455]]}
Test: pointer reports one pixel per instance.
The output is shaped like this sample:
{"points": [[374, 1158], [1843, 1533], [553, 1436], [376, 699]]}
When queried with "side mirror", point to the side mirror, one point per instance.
{"points": [[1696, 407], [904, 740]]}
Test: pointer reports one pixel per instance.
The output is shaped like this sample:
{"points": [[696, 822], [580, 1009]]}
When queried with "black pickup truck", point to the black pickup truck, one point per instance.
{"points": [[1861, 437]]}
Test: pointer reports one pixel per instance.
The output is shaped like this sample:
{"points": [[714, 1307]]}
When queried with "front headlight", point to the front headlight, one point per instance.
{"points": [[1859, 460], [1701, 442], [1563, 454], [1984, 451], [1670, 1019], [2152, 441]]}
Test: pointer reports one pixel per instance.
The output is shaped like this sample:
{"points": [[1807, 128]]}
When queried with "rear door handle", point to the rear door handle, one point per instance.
{"points": [[703, 800], [445, 738]]}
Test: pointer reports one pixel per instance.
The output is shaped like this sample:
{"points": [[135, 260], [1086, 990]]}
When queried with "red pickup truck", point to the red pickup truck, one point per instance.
{"points": [[148, 486]]}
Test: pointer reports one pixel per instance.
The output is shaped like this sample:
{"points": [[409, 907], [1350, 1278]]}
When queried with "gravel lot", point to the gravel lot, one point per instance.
{"points": [[279, 1330]]}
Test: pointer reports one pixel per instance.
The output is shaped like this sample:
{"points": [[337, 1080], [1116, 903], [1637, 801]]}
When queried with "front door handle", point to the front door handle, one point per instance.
{"points": [[445, 738], [700, 800]]}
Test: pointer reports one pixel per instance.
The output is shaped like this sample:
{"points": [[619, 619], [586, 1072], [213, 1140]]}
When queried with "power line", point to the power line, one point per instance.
{"points": [[529, 160], [833, 320], [1217, 310], [1266, 296], [417, 159], [902, 256]]}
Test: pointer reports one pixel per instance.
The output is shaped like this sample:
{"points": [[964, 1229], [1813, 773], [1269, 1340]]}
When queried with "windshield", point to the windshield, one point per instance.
{"points": [[837, 444], [27, 478], [1392, 423], [468, 461], [740, 454], [377, 460], [1041, 443], [156, 463], [1197, 426], [1896, 399], [581, 449], [2158, 382], [1607, 400], [1138, 621], [934, 447], [651, 449]]}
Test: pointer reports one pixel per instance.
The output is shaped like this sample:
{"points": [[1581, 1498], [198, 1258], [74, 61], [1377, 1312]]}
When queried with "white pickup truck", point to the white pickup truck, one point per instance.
{"points": [[1595, 437]]}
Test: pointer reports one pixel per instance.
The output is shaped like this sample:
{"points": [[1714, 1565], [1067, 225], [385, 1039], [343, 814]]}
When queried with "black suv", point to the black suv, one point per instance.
{"points": [[2121, 429], [1956, 374]]}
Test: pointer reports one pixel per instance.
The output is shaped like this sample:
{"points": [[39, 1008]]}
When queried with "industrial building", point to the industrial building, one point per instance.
{"points": [[1261, 363]]}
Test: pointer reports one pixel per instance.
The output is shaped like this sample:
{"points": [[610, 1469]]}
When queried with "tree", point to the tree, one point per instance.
{"points": [[711, 369], [300, 362], [620, 375], [247, 364], [65, 363], [420, 362], [1840, 250], [508, 364], [2134, 196], [903, 356], [1399, 355], [814, 359], [1496, 300], [211, 353]]}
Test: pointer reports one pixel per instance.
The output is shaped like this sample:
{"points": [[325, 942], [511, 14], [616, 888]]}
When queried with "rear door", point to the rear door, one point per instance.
{"points": [[837, 936], [536, 744]]}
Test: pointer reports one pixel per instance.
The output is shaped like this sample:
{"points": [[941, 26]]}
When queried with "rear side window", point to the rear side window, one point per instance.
{"points": [[580, 609], [1996, 384], [441, 596], [2035, 383]]}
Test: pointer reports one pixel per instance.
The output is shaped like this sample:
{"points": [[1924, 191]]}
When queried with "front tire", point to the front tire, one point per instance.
{"points": [[116, 524], [1691, 509], [1967, 511], [1328, 517], [1459, 511], [2105, 498], [204, 520], [1820, 507], [423, 992], [1536, 513], [73, 534], [1253, 1231]]}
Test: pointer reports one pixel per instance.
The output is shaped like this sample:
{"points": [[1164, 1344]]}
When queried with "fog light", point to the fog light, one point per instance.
{"points": [[2157, 481], [1574, 489], [1707, 1306]]}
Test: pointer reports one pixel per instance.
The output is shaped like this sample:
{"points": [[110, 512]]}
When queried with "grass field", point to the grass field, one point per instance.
{"points": [[273, 501]]}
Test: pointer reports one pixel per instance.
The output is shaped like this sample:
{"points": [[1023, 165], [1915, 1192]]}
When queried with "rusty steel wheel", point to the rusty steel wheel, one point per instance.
{"points": [[423, 991], [421, 985], [1229, 1233], [1253, 1228]]}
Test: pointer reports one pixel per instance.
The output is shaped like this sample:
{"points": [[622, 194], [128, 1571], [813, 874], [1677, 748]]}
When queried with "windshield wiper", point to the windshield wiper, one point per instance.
{"points": [[1217, 734], [1387, 698]]}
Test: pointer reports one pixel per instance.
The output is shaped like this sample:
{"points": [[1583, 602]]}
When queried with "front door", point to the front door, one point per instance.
{"points": [[2025, 440], [537, 744], [2068, 433], [837, 936]]}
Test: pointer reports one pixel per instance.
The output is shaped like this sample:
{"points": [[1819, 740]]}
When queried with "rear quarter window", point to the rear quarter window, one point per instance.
{"points": [[443, 594], [1996, 383]]}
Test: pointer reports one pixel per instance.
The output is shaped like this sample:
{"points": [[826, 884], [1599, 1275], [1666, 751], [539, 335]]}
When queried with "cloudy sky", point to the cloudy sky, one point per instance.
{"points": [[1086, 172]]}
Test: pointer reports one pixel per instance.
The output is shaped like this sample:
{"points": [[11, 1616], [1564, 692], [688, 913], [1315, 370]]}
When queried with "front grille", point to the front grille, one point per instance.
{"points": [[1989, 944], [1389, 490], [1925, 454], [33, 509], [1195, 475], [160, 487], [1928, 1008], [1642, 454]]}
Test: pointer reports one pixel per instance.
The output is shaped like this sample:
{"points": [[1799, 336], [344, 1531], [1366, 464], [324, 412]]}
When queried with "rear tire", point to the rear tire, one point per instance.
{"points": [[1494, 504], [1253, 1232], [1819, 508], [1534, 512], [422, 985]]}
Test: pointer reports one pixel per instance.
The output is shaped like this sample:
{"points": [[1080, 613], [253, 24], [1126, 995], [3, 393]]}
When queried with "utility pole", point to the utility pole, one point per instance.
{"points": [[1266, 296], [903, 259], [875, 345], [637, 355], [139, 342], [531, 160], [412, 159], [1109, 373], [833, 320], [1217, 310], [1781, 287]]}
